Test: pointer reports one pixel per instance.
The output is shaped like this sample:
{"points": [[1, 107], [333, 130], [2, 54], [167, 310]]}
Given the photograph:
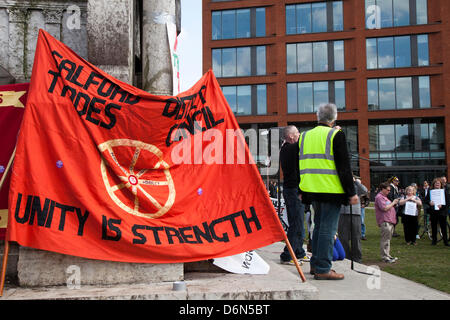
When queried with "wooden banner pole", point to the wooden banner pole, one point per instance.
{"points": [[294, 258], [6, 249], [4, 264], [7, 168]]}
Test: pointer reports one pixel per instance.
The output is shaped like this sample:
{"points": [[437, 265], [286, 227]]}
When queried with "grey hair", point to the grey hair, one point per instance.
{"points": [[287, 130], [327, 113]]}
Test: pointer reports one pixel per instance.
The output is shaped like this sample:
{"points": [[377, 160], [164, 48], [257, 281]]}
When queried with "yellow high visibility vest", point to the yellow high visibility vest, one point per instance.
{"points": [[317, 168]]}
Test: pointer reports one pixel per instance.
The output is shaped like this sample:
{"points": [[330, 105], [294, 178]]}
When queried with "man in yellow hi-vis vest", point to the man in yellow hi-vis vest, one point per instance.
{"points": [[326, 182]]}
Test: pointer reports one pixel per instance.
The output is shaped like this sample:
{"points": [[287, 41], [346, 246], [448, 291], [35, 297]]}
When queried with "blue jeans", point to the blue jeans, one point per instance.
{"points": [[326, 218], [363, 225], [296, 231]]}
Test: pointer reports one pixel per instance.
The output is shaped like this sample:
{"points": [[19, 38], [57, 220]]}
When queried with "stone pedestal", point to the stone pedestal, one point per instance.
{"points": [[37, 268]]}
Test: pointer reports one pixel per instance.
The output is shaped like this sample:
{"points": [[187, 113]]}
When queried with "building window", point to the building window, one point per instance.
{"points": [[397, 52], [395, 13], [239, 62], [306, 97], [238, 23], [315, 57], [415, 142], [399, 93], [314, 17], [247, 99]]}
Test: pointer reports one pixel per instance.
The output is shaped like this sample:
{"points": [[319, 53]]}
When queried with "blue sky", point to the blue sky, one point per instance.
{"points": [[190, 43]]}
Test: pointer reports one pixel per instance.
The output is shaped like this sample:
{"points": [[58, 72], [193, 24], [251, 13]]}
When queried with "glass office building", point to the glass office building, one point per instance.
{"points": [[384, 63]]}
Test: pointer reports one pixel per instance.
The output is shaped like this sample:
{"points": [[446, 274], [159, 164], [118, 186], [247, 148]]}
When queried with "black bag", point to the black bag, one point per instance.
{"points": [[365, 200]]}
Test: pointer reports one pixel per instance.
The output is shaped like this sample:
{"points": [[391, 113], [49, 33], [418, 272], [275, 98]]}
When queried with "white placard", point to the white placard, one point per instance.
{"points": [[410, 208], [438, 197], [243, 263]]}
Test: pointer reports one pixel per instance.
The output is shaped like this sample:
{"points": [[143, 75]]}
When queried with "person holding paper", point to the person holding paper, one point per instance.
{"points": [[438, 202], [411, 203]]}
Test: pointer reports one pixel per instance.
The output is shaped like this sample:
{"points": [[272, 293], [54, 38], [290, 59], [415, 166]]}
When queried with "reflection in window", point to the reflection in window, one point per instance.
{"points": [[306, 97], [385, 52], [402, 51], [243, 23], [314, 17], [386, 93], [319, 17], [398, 93], [339, 94], [407, 141], [401, 13], [385, 135], [403, 90], [395, 13], [243, 65], [315, 57], [261, 103], [237, 62], [396, 52], [424, 92], [320, 54], [422, 50], [246, 99], [338, 55], [421, 12], [240, 23], [229, 24], [260, 22]]}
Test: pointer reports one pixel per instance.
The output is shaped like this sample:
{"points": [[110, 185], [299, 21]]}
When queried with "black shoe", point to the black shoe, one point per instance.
{"points": [[395, 235], [433, 243], [363, 238]]}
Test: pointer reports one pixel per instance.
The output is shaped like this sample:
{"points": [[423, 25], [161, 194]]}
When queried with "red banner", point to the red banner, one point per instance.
{"points": [[107, 171], [13, 98]]}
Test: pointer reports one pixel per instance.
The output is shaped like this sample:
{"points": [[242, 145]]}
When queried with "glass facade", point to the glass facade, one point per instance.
{"points": [[306, 97], [398, 93], [397, 52], [238, 23], [247, 99], [395, 13], [239, 62], [307, 57], [399, 69], [314, 17], [416, 142]]}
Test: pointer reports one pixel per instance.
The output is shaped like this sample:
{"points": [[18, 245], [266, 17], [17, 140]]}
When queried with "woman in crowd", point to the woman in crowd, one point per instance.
{"points": [[410, 214], [438, 213]]}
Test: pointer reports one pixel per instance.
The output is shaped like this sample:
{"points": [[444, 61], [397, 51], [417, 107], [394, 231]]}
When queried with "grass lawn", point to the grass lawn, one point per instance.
{"points": [[424, 263]]}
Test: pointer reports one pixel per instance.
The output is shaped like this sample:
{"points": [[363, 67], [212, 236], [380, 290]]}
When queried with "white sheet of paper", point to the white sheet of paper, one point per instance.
{"points": [[243, 263], [410, 208], [437, 196]]}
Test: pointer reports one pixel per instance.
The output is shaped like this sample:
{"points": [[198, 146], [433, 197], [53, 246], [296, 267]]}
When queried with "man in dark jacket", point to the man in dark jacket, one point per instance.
{"points": [[294, 207]]}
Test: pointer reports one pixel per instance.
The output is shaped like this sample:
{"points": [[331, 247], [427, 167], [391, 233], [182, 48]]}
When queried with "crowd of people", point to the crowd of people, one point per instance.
{"points": [[318, 182]]}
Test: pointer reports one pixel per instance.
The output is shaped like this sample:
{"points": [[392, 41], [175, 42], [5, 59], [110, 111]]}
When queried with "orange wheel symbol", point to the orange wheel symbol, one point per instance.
{"points": [[145, 174]]}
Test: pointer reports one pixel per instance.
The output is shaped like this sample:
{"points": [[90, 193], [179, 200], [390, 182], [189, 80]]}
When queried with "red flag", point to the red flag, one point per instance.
{"points": [[104, 170], [12, 101]]}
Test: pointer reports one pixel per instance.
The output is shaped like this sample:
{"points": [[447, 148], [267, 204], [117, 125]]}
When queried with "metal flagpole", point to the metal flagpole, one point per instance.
{"points": [[6, 250]]}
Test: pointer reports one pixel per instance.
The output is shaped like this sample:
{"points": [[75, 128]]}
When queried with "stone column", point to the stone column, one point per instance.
{"points": [[16, 44], [52, 19], [156, 64], [110, 30]]}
